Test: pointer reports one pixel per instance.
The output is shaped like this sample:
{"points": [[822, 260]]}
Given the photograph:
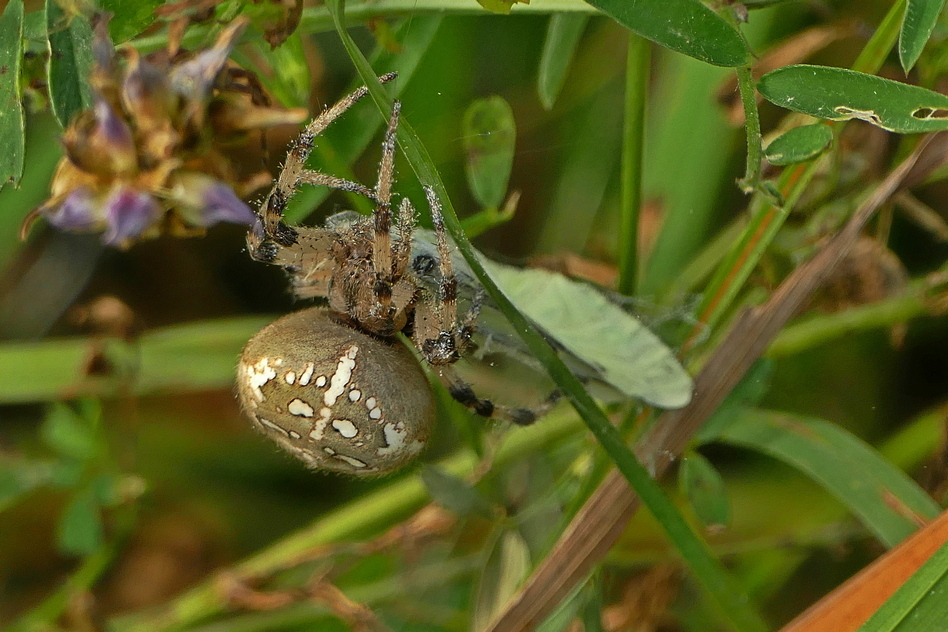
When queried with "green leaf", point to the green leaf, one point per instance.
{"points": [[704, 488], [506, 568], [80, 529], [684, 26], [919, 604], [562, 37], [917, 25], [489, 134], [837, 94], [69, 434], [129, 17], [799, 144], [455, 494], [887, 501], [70, 62], [12, 130], [19, 477], [622, 350]]}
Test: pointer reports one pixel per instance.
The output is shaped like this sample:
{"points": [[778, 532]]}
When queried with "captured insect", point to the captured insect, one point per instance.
{"points": [[335, 386]]}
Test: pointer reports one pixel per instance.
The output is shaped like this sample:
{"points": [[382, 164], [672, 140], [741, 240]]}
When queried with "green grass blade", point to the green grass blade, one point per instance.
{"points": [[637, 76], [562, 37], [919, 604], [887, 501]]}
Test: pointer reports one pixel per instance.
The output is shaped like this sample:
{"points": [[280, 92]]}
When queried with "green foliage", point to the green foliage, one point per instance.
{"points": [[489, 133], [917, 26], [837, 94], [684, 26], [660, 201], [799, 144], [70, 62], [12, 133]]}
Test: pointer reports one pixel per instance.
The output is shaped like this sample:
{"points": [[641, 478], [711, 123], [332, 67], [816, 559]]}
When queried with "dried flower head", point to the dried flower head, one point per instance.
{"points": [[150, 156]]}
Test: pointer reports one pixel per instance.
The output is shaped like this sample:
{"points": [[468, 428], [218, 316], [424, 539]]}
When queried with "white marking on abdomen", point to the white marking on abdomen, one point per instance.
{"points": [[317, 433], [272, 426], [345, 427], [340, 379], [259, 374], [306, 374], [299, 408]]}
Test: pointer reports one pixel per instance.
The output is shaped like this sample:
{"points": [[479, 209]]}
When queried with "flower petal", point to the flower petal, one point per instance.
{"points": [[204, 201], [129, 213], [78, 212]]}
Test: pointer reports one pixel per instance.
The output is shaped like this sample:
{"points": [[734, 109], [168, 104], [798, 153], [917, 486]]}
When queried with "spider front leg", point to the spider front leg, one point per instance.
{"points": [[271, 235]]}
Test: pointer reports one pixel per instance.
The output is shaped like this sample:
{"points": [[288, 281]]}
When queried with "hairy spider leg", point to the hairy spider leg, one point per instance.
{"points": [[382, 247], [293, 174], [448, 338]]}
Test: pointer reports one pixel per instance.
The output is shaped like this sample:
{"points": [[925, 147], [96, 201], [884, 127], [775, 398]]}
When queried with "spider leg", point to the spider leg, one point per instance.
{"points": [[451, 337], [322, 179], [463, 393], [382, 249], [271, 234]]}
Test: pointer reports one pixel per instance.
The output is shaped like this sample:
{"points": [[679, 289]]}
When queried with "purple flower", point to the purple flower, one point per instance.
{"points": [[204, 201], [128, 214], [77, 213]]}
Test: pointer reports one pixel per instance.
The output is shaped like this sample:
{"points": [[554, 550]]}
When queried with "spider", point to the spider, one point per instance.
{"points": [[334, 385]]}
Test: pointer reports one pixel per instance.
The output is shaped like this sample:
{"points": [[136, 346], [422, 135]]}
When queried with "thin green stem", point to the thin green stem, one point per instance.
{"points": [[755, 153], [636, 97], [317, 19]]}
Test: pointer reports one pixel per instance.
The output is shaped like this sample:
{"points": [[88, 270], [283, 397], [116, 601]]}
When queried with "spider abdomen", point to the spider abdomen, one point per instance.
{"points": [[334, 397]]}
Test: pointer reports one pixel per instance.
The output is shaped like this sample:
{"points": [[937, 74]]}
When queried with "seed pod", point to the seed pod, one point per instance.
{"points": [[334, 397]]}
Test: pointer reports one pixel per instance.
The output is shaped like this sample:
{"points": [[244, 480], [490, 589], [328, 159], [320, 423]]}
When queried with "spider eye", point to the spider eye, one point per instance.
{"points": [[423, 264], [334, 397]]}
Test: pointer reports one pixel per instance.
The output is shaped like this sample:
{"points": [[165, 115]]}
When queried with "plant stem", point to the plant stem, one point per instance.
{"points": [[636, 97]]}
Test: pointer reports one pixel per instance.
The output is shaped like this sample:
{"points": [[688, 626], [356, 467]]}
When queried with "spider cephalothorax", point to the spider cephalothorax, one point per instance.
{"points": [[360, 408]]}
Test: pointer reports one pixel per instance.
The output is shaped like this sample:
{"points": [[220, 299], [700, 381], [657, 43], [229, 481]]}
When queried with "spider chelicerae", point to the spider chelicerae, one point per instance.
{"points": [[334, 385]]}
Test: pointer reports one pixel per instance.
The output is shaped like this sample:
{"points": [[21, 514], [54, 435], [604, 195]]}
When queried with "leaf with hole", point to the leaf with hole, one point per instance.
{"points": [[799, 144], [837, 94]]}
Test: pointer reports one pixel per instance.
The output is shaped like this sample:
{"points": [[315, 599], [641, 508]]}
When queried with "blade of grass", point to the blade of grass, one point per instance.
{"points": [[562, 37], [636, 96], [709, 571], [887, 501]]}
